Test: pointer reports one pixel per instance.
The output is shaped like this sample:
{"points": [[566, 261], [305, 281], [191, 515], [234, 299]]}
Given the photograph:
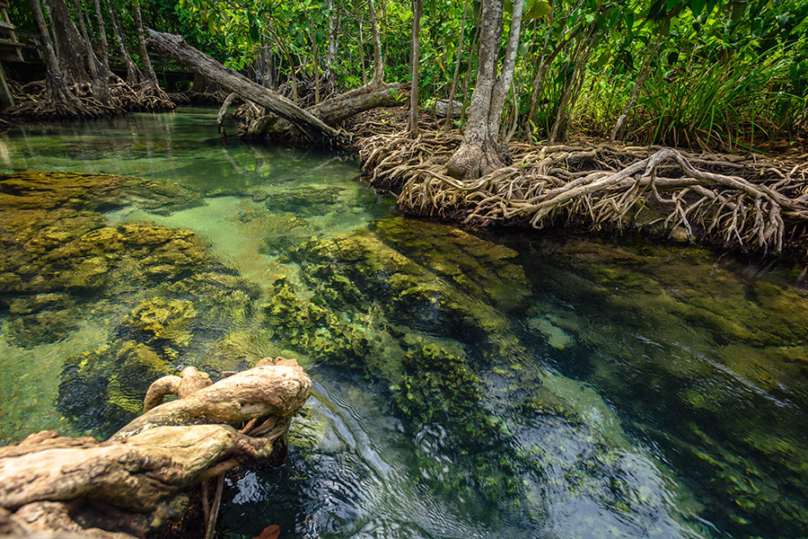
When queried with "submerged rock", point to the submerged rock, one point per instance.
{"points": [[413, 308], [160, 319], [713, 362]]}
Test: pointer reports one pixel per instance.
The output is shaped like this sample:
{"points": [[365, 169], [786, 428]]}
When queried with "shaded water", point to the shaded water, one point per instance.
{"points": [[503, 385]]}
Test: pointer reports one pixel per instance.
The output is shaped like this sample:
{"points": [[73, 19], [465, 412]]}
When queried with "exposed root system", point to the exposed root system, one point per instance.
{"points": [[33, 102], [736, 201]]}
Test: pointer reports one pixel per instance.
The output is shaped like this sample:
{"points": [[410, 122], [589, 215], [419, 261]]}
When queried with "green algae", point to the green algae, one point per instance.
{"points": [[373, 304], [411, 316], [160, 289]]}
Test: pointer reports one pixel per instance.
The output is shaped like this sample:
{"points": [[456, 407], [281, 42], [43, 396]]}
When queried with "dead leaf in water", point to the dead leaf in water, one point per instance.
{"points": [[270, 532]]}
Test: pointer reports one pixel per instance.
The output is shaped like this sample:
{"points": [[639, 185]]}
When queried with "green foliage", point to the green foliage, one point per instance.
{"points": [[711, 72]]}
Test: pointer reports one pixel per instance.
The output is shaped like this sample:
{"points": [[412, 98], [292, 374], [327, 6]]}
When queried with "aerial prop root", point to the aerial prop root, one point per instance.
{"points": [[737, 201]]}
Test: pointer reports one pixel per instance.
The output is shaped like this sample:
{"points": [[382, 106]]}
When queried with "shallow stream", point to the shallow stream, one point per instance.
{"points": [[508, 384]]}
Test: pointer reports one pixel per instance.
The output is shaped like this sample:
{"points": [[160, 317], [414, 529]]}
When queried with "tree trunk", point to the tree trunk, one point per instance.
{"points": [[466, 80], [148, 70], [617, 130], [57, 90], [133, 74], [362, 56], [316, 65], [100, 88], [130, 484], [378, 60], [503, 85], [416, 51], [334, 23], [174, 46], [70, 46], [477, 154], [455, 78], [104, 72]]}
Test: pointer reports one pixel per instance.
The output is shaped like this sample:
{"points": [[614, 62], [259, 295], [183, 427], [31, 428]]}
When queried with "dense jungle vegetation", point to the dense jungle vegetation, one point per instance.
{"points": [[695, 73]]}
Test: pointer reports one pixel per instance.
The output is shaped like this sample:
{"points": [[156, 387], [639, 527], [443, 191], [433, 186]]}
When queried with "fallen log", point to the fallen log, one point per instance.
{"points": [[316, 123], [134, 482], [336, 109], [314, 128]]}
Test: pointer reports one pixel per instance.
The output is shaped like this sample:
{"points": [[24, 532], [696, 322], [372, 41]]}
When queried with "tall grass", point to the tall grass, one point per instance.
{"points": [[731, 102]]}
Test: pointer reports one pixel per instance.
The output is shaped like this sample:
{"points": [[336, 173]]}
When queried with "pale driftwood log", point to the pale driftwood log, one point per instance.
{"points": [[189, 381], [134, 482]]}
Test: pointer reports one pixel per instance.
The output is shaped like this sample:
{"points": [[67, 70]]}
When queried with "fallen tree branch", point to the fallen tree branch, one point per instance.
{"points": [[175, 46]]}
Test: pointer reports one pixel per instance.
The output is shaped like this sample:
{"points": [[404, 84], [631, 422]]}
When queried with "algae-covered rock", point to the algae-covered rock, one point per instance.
{"points": [[304, 201], [160, 319], [160, 335], [315, 330], [50, 190], [483, 269], [104, 388], [360, 265], [235, 352], [448, 359], [711, 354]]}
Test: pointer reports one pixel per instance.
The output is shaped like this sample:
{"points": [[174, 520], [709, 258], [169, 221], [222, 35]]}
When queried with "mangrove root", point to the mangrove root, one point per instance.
{"points": [[134, 482], [738, 202]]}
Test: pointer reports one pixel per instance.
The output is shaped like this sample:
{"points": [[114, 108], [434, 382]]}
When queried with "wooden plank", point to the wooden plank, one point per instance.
{"points": [[18, 44], [6, 26], [4, 3]]}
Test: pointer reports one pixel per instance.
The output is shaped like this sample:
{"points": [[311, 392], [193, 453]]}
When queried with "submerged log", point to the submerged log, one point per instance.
{"points": [[134, 482]]}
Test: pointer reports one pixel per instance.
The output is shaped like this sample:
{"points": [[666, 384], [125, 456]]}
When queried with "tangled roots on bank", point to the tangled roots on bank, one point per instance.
{"points": [[735, 201], [34, 104]]}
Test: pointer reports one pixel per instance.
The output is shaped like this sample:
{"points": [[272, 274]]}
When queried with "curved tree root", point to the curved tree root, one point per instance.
{"points": [[134, 482], [734, 201]]}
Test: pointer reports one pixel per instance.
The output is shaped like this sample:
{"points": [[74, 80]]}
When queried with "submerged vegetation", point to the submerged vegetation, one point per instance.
{"points": [[484, 356]]}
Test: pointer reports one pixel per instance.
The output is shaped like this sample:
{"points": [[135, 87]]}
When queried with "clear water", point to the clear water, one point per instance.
{"points": [[502, 385]]}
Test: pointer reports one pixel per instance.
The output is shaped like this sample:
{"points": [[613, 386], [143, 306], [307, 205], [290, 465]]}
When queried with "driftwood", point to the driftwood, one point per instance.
{"points": [[134, 482]]}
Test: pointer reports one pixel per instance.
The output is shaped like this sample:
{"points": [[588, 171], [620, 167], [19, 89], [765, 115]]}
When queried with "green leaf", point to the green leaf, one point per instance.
{"points": [[537, 10], [696, 6]]}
